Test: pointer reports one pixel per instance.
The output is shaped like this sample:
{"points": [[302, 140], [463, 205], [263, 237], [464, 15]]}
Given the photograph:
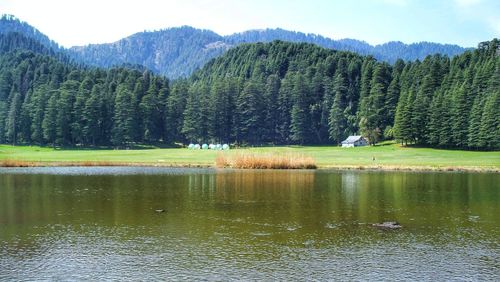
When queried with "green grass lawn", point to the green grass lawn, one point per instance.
{"points": [[387, 155]]}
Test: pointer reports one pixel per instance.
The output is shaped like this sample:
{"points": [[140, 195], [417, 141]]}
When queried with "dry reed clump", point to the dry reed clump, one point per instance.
{"points": [[265, 161], [15, 163]]}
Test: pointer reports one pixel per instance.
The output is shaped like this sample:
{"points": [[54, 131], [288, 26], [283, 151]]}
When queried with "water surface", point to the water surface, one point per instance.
{"points": [[101, 223]]}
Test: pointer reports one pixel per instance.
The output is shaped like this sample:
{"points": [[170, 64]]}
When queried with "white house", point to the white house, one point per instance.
{"points": [[354, 141]]}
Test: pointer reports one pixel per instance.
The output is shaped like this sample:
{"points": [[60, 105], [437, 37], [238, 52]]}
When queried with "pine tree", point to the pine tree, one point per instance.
{"points": [[420, 118], [338, 119], [250, 112], [460, 116], [78, 122], [151, 115], [93, 116], [285, 108], [38, 105], [221, 111], [300, 116], [123, 130], [192, 117], [435, 119], [445, 133], [489, 135], [13, 118], [391, 100], [25, 121], [473, 132], [372, 106], [175, 105], [163, 94], [403, 120], [49, 123], [3, 118], [271, 94], [317, 91], [65, 102], [326, 107]]}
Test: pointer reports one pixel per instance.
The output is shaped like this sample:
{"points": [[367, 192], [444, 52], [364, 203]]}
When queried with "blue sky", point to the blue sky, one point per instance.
{"points": [[80, 22]]}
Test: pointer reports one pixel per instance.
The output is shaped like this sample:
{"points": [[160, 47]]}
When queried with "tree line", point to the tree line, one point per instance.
{"points": [[262, 93]]}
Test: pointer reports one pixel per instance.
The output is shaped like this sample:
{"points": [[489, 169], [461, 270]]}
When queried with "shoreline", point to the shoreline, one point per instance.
{"points": [[27, 164]]}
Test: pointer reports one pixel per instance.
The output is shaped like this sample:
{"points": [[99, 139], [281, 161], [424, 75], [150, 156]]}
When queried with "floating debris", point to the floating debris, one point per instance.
{"points": [[388, 225], [331, 225]]}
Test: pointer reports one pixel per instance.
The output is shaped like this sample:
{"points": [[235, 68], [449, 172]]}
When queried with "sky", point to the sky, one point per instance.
{"points": [[81, 22]]}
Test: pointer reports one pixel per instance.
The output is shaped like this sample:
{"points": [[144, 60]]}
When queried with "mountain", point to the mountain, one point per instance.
{"points": [[174, 52], [177, 52], [255, 93], [9, 24], [298, 93]]}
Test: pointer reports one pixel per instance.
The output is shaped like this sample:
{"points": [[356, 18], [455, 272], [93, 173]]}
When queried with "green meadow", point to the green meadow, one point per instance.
{"points": [[386, 155]]}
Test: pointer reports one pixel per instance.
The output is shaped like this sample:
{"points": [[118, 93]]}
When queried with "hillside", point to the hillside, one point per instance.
{"points": [[174, 52], [256, 93], [389, 52], [283, 92], [11, 24], [177, 52]]}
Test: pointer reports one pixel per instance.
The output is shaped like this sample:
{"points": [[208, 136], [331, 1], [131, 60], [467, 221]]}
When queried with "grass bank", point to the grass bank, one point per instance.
{"points": [[388, 156]]}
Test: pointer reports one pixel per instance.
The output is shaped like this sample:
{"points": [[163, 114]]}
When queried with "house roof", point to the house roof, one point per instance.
{"points": [[352, 139]]}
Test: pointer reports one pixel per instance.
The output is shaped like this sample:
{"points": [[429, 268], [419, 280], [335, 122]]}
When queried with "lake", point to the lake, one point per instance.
{"points": [[102, 224]]}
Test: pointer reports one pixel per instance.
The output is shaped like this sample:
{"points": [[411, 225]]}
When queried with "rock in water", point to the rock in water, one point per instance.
{"points": [[388, 225]]}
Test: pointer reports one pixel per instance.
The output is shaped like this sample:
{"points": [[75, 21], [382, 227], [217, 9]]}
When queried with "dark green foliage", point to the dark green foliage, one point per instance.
{"points": [[489, 134], [174, 107], [13, 118], [49, 124], [177, 52], [192, 127], [278, 93], [250, 114], [92, 116], [300, 118], [338, 118], [449, 109]]}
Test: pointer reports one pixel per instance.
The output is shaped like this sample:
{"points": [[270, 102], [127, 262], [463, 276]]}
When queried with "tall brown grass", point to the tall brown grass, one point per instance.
{"points": [[249, 160], [15, 163]]}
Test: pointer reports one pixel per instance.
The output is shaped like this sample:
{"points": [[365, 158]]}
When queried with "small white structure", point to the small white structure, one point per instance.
{"points": [[354, 141]]}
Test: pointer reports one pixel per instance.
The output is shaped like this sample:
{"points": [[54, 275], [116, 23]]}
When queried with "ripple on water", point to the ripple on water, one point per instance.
{"points": [[69, 228], [106, 170]]}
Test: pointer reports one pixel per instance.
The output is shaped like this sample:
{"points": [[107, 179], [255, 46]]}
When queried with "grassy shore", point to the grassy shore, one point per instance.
{"points": [[389, 156]]}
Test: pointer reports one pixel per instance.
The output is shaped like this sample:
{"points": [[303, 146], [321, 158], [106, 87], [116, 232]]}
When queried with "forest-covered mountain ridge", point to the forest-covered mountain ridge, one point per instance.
{"points": [[177, 52], [256, 93]]}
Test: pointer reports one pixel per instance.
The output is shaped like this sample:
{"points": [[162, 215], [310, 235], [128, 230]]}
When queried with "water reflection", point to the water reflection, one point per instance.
{"points": [[234, 224]]}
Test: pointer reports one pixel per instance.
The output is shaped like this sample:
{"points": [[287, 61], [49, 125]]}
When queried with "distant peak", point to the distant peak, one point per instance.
{"points": [[8, 17]]}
